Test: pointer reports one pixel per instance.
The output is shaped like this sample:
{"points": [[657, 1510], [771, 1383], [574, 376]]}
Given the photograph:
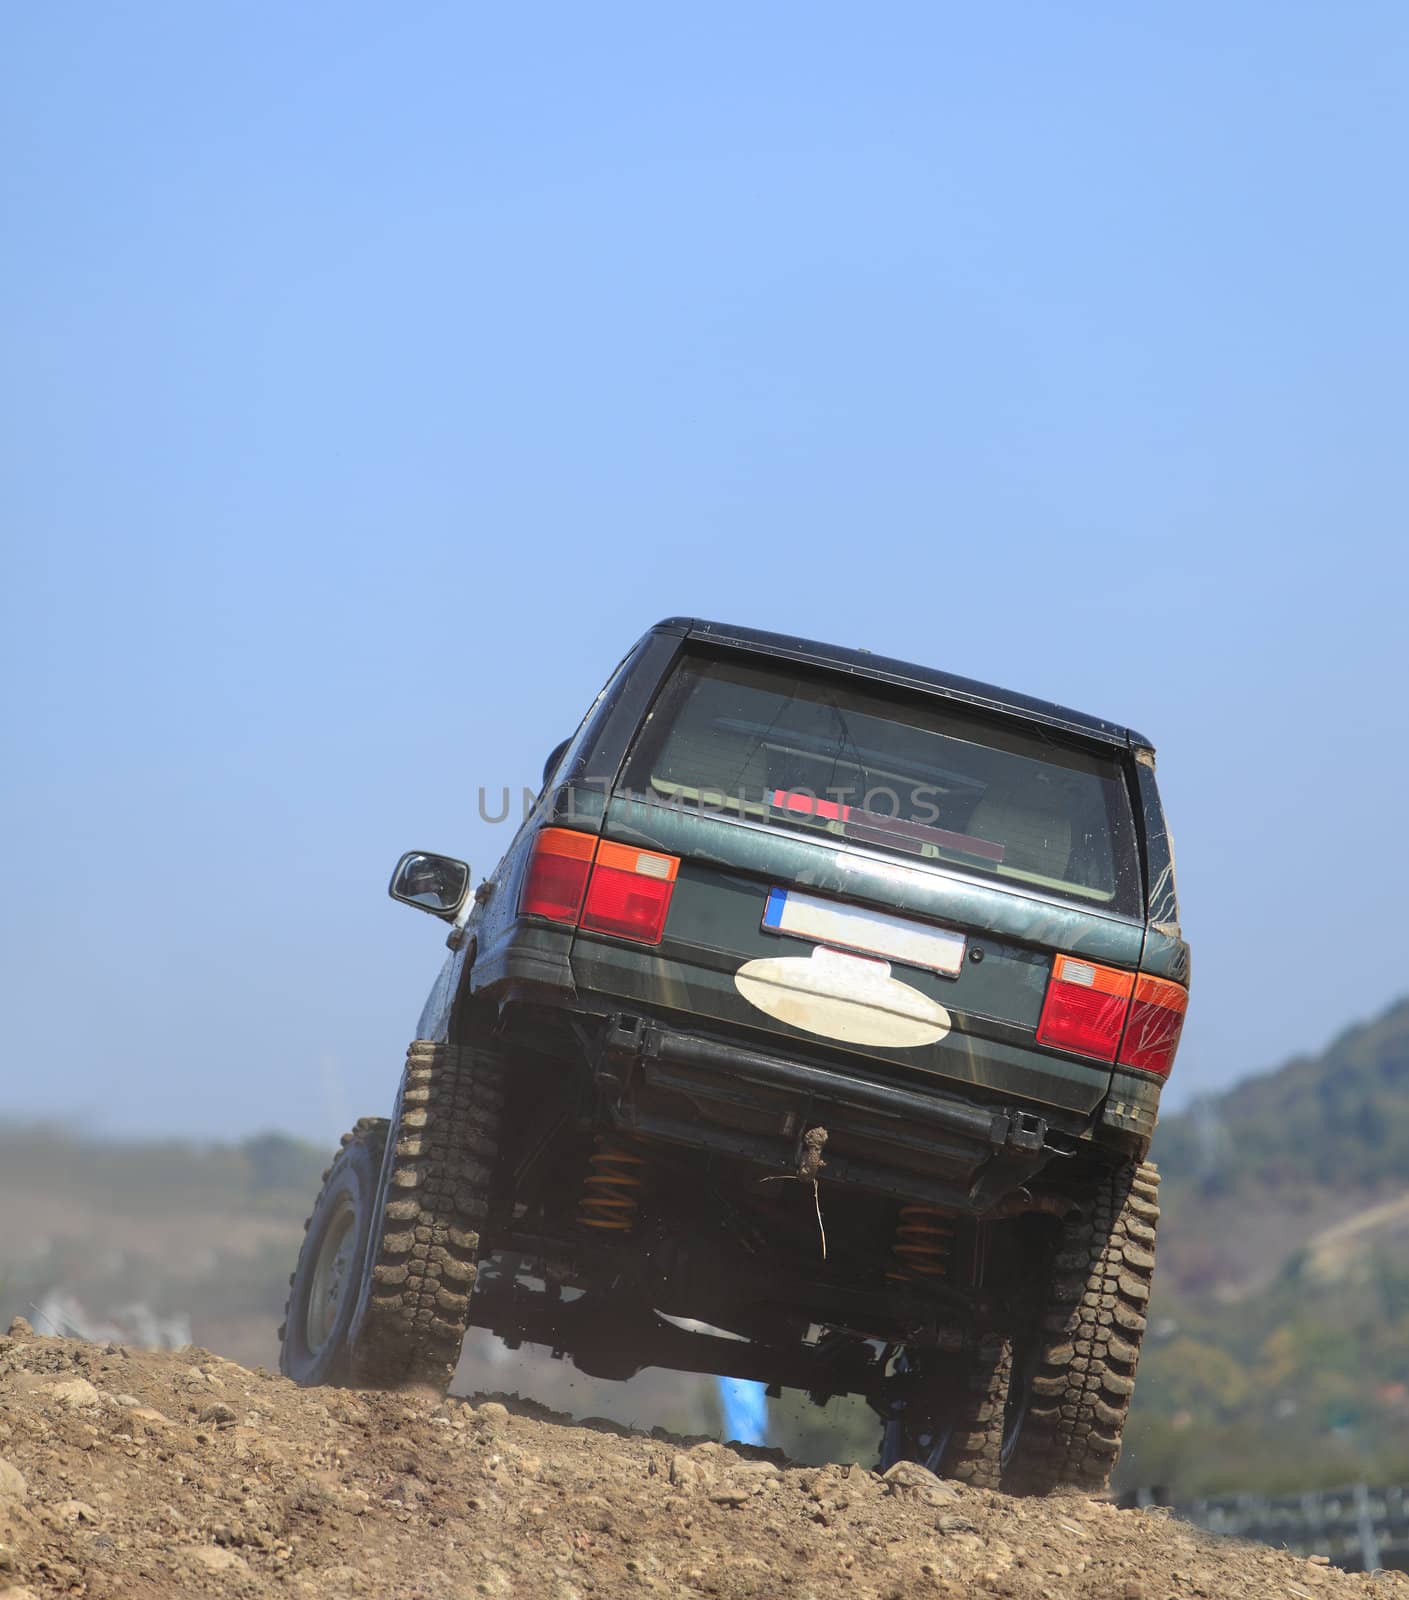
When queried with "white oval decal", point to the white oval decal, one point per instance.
{"points": [[845, 997]]}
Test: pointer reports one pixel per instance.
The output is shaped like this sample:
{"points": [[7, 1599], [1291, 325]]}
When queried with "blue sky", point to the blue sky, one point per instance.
{"points": [[374, 375]]}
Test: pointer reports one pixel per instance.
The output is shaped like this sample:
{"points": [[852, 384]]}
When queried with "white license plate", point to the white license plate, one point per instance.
{"points": [[876, 933]]}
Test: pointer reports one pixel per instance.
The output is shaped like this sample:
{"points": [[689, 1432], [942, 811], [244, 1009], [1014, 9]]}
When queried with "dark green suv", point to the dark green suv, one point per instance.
{"points": [[811, 1030]]}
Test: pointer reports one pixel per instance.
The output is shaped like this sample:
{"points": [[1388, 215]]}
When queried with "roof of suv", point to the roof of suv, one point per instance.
{"points": [[885, 669]]}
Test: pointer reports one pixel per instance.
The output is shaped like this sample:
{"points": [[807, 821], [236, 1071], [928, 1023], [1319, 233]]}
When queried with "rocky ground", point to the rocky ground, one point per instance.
{"points": [[139, 1474]]}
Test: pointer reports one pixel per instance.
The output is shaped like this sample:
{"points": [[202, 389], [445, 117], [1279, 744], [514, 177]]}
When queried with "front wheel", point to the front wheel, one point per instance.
{"points": [[326, 1282]]}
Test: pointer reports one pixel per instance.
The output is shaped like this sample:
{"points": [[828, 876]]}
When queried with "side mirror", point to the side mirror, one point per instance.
{"points": [[550, 766], [437, 884]]}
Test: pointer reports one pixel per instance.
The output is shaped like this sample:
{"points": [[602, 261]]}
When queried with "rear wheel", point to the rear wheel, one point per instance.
{"points": [[415, 1304], [952, 1422], [1068, 1410]]}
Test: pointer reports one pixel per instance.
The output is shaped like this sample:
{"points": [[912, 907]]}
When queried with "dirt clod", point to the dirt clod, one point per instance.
{"points": [[75, 1393], [733, 1496], [331, 1495]]}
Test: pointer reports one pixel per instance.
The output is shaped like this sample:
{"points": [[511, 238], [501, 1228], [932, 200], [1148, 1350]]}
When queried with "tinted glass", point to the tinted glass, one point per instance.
{"points": [[911, 775]]}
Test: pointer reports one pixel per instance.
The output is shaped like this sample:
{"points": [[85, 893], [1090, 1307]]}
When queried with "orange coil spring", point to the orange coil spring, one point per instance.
{"points": [[611, 1191], [923, 1240]]}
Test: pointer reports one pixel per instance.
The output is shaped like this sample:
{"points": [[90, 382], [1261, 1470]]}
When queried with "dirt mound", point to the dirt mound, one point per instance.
{"points": [[140, 1474]]}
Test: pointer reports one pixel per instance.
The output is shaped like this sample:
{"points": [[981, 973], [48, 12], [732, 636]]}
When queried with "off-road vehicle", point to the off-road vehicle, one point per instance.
{"points": [[811, 1030]]}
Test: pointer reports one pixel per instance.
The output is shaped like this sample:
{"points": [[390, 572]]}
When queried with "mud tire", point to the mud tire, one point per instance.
{"points": [[313, 1345], [1082, 1376], [423, 1260], [959, 1436]]}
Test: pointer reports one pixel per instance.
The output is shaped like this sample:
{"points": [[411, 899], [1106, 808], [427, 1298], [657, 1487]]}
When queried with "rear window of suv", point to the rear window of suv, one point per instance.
{"points": [[902, 773]]}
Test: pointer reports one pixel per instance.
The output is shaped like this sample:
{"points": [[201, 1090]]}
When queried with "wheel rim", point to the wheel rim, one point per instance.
{"points": [[332, 1273]]}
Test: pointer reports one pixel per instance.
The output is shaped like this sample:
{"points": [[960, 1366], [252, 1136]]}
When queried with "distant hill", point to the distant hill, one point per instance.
{"points": [[153, 1235], [1279, 1349], [1338, 1118], [1253, 1174]]}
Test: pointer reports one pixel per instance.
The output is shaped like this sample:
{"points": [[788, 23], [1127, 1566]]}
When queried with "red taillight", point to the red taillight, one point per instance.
{"points": [[1090, 1010], [557, 874], [630, 892], [625, 892], [1153, 1027], [1085, 1008]]}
